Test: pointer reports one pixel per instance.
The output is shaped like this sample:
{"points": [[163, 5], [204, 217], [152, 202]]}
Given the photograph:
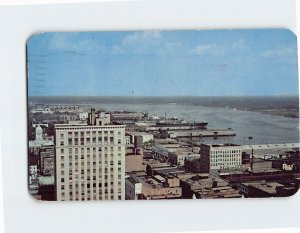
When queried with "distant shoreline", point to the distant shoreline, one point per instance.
{"points": [[285, 106]]}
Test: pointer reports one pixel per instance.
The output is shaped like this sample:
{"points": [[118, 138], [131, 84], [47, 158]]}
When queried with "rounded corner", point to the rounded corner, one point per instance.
{"points": [[291, 32], [294, 194], [33, 35]]}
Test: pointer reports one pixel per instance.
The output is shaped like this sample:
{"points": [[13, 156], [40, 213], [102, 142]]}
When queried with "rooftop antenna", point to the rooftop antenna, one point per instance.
{"points": [[251, 164]]}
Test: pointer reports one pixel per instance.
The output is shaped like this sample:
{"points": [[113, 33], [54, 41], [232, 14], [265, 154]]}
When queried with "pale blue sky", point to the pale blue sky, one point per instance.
{"points": [[163, 63]]}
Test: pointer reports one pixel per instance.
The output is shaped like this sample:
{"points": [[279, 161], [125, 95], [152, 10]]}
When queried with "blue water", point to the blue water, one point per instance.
{"points": [[263, 128]]}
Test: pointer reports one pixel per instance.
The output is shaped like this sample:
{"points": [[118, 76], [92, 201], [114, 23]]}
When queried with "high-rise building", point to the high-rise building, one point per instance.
{"points": [[41, 159], [90, 160], [227, 156]]}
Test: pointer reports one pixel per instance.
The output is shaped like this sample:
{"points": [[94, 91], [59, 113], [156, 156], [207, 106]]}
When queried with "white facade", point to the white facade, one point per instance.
{"points": [[127, 138], [33, 179], [181, 158], [90, 162], [146, 137], [39, 140], [133, 188], [221, 156], [83, 116]]}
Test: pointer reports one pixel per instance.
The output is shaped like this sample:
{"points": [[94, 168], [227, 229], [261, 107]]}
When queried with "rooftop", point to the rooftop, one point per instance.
{"points": [[268, 187], [223, 145], [135, 133]]}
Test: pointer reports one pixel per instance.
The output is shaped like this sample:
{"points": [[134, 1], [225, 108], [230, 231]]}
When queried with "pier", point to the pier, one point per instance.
{"points": [[202, 133]]}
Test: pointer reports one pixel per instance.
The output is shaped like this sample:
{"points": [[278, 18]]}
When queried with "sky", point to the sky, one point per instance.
{"points": [[163, 63]]}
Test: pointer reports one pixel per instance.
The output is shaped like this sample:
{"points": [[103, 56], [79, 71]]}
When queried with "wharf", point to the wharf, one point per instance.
{"points": [[202, 133]]}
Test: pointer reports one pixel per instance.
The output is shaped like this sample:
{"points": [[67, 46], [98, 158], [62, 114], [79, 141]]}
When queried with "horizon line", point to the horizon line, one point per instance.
{"points": [[290, 95]]}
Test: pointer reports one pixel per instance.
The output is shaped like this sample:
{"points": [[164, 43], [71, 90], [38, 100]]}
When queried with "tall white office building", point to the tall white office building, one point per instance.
{"points": [[214, 157], [90, 160]]}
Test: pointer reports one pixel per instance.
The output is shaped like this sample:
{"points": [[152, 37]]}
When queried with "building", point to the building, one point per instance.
{"points": [[192, 165], [215, 157], [270, 150], [33, 179], [204, 185], [139, 138], [134, 159], [174, 152], [155, 167], [83, 116], [47, 161], [35, 145], [153, 187], [90, 160], [133, 188], [218, 192], [127, 140], [260, 188], [65, 118], [180, 156], [41, 159]]}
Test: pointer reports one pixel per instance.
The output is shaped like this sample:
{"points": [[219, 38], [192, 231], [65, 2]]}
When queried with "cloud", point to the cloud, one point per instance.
{"points": [[278, 53], [209, 49], [238, 45], [215, 49], [147, 42], [116, 49], [68, 43], [142, 37], [202, 49], [173, 47]]}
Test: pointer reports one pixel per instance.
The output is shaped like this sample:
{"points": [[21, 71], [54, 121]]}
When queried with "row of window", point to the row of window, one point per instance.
{"points": [[90, 149], [94, 197], [88, 171], [89, 185], [225, 152], [88, 163], [226, 159], [90, 128], [223, 164]]}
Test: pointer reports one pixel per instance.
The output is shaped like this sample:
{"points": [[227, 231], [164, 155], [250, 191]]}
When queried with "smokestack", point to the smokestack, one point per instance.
{"points": [[251, 164], [92, 117]]}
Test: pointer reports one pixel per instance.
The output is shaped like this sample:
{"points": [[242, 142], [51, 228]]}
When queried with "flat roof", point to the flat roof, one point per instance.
{"points": [[269, 187], [223, 145], [138, 133], [271, 146], [60, 126]]}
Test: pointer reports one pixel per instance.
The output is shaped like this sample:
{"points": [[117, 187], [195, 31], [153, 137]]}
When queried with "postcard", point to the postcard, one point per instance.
{"points": [[155, 115]]}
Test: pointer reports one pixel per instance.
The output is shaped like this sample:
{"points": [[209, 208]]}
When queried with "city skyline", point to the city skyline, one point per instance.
{"points": [[173, 63], [154, 115]]}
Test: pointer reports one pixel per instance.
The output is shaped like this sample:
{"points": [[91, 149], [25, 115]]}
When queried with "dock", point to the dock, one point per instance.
{"points": [[202, 133]]}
